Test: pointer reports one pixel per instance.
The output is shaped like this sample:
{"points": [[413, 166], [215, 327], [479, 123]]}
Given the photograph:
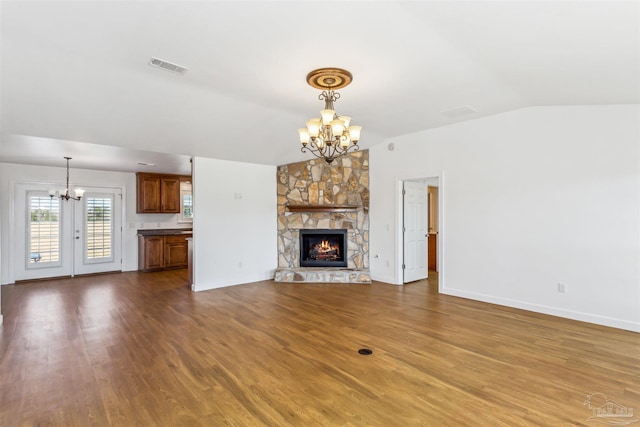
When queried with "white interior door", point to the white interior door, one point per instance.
{"points": [[415, 231], [97, 231]]}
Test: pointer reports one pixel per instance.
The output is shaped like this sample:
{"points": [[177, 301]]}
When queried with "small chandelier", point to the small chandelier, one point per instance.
{"points": [[330, 136], [66, 196]]}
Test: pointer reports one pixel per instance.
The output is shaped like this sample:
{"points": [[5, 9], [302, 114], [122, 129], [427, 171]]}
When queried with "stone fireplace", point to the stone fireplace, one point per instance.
{"points": [[314, 195]]}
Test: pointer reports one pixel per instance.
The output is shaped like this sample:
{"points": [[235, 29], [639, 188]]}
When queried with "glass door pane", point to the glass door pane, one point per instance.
{"points": [[98, 228], [43, 242]]}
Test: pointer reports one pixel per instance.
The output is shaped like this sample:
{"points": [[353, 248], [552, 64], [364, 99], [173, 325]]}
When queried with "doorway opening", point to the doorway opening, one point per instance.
{"points": [[420, 228]]}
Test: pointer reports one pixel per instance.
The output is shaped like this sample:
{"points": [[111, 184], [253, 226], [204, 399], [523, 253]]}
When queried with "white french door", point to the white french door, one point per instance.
{"points": [[97, 231], [38, 242], [53, 237], [415, 231]]}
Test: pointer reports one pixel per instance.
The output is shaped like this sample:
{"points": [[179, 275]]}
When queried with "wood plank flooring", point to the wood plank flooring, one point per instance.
{"points": [[140, 349]]}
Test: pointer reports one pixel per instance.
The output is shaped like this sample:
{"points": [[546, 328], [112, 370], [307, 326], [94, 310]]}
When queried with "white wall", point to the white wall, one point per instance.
{"points": [[12, 173], [530, 198], [2, 216], [234, 225]]}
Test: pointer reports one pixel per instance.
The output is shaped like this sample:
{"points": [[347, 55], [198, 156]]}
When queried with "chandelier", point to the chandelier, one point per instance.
{"points": [[66, 196], [331, 135]]}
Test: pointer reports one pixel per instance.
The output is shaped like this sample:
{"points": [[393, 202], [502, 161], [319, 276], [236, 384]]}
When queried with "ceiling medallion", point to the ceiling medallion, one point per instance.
{"points": [[329, 136]]}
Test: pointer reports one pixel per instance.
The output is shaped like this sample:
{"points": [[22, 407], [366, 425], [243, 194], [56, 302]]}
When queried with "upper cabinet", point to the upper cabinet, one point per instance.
{"points": [[170, 195], [158, 193]]}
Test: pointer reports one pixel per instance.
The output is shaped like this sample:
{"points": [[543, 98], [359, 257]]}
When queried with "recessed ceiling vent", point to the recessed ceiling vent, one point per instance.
{"points": [[459, 111], [169, 66]]}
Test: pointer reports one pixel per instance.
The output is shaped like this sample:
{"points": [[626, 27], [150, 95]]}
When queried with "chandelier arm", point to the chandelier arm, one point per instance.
{"points": [[312, 151], [329, 153], [335, 150], [326, 153], [349, 149]]}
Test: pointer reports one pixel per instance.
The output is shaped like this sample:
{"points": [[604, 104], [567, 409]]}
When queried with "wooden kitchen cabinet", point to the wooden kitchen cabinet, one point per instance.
{"points": [[175, 251], [162, 252], [157, 193], [148, 193], [170, 195], [152, 253]]}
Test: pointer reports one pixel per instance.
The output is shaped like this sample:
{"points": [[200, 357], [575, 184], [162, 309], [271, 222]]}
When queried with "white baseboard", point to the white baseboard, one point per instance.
{"points": [[544, 309]]}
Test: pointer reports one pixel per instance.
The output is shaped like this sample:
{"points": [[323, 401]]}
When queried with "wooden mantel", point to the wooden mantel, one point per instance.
{"points": [[322, 208]]}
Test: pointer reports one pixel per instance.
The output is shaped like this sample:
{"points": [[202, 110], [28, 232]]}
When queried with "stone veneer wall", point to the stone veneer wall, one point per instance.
{"points": [[314, 182]]}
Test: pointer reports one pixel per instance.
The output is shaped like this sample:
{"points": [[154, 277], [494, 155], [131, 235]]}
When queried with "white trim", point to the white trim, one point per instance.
{"points": [[123, 226], [441, 227], [398, 220], [10, 273], [545, 309]]}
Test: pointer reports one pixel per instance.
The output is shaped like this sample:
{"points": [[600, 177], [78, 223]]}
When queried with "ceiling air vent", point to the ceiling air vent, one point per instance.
{"points": [[459, 111], [169, 66]]}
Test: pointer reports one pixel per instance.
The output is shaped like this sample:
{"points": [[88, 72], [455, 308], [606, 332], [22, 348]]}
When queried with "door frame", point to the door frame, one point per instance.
{"points": [[13, 232], [399, 217]]}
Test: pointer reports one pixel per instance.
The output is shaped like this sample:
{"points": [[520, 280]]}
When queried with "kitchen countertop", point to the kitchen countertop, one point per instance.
{"points": [[165, 231]]}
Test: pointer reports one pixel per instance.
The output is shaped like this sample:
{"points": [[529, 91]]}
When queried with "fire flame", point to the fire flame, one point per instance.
{"points": [[324, 247]]}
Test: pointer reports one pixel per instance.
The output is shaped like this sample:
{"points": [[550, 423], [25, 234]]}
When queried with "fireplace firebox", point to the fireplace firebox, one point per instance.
{"points": [[323, 248]]}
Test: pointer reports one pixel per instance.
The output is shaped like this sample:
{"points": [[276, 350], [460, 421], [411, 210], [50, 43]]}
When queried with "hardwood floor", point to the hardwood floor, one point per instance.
{"points": [[132, 349]]}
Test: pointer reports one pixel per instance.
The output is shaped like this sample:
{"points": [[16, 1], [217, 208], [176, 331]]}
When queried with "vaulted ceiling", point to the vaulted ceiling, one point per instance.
{"points": [[75, 78]]}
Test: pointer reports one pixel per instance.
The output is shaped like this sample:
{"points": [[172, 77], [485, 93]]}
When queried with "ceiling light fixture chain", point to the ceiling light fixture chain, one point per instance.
{"points": [[66, 196], [330, 136]]}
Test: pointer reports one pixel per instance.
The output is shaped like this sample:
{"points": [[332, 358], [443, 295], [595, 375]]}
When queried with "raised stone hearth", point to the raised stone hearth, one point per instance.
{"points": [[320, 275], [315, 195]]}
